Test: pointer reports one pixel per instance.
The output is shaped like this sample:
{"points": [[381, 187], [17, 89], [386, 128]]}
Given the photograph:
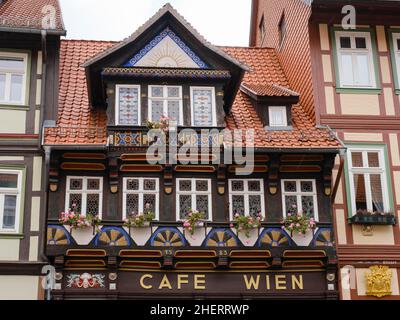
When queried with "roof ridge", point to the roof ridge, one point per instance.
{"points": [[88, 40]]}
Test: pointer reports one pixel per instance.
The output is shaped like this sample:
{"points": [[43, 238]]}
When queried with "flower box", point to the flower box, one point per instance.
{"points": [[373, 219]]}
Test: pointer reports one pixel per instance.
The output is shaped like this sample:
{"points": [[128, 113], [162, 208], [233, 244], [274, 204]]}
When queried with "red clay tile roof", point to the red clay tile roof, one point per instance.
{"points": [[78, 124], [28, 14], [267, 90]]}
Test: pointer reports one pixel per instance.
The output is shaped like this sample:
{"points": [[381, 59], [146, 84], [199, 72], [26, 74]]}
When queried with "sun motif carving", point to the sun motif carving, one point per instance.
{"points": [[167, 54]]}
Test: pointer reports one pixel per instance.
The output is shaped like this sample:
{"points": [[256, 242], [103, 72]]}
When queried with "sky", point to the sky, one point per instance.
{"points": [[222, 22]]}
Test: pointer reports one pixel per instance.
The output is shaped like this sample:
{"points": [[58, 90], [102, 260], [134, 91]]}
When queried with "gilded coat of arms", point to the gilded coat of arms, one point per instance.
{"points": [[379, 281]]}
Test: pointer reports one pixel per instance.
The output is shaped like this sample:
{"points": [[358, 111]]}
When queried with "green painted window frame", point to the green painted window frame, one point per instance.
{"points": [[25, 105], [356, 90], [367, 145], [20, 233], [396, 76]]}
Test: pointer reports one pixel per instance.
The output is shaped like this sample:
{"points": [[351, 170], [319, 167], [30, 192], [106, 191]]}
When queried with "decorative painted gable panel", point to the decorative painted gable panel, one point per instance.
{"points": [[166, 50]]}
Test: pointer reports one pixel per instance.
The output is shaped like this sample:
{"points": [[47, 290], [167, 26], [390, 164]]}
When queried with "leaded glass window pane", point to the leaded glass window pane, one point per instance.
{"points": [[201, 185], [185, 204], [157, 110], [132, 184], [254, 204], [202, 107], [9, 214], [132, 204], [238, 204], [75, 199], [149, 203], [254, 186], [185, 185], [202, 204], [291, 204], [345, 42], [92, 204], [361, 43], [149, 184], [173, 92], [173, 110], [157, 92], [306, 186], [290, 186], [93, 184], [76, 184], [237, 185], [307, 204], [128, 106]]}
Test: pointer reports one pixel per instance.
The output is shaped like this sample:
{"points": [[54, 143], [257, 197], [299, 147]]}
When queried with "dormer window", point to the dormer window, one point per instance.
{"points": [[128, 105], [277, 116], [165, 101]]}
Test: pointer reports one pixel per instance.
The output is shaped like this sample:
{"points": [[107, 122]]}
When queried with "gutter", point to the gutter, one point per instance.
{"points": [[33, 31]]}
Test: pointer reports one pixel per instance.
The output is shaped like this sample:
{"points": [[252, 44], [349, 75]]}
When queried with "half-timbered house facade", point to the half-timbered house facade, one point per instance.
{"points": [[343, 58], [98, 165], [29, 52]]}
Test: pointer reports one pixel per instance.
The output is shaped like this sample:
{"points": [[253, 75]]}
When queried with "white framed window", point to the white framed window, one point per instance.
{"points": [[10, 200], [246, 197], [86, 193], [13, 73], [127, 105], [355, 59], [166, 101], [193, 194], [396, 46], [140, 195], [367, 177], [300, 196], [277, 116], [203, 106]]}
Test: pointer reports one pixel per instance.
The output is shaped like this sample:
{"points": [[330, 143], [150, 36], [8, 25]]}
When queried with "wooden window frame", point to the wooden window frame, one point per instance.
{"points": [[246, 193], [282, 109], [141, 192], [117, 87], [18, 207], [213, 105], [165, 100]]}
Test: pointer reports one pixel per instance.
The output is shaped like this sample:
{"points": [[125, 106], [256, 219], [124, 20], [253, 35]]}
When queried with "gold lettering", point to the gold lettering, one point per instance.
{"points": [[181, 280], [298, 282], [267, 283], [280, 282], [199, 281], [251, 283], [165, 283], [147, 287]]}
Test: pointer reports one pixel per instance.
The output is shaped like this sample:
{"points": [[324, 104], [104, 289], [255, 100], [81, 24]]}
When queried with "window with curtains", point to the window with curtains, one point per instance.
{"points": [[86, 194], [127, 105], [203, 106], [246, 197], [140, 195], [193, 194], [277, 116], [396, 46], [367, 177], [13, 73], [355, 59], [300, 196], [166, 101], [10, 199]]}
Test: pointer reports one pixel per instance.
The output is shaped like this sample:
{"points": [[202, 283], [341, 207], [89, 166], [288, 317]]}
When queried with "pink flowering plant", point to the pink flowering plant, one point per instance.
{"points": [[77, 220], [193, 219], [298, 223], [163, 124], [245, 224], [138, 220]]}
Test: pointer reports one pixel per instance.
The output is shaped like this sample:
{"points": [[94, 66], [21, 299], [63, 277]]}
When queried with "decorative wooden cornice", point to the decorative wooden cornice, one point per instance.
{"points": [[368, 254]]}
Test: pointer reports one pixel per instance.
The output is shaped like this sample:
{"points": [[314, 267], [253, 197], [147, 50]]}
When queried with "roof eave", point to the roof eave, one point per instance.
{"points": [[34, 31]]}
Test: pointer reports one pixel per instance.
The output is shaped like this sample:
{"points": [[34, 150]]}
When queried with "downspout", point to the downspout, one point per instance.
{"points": [[40, 143]]}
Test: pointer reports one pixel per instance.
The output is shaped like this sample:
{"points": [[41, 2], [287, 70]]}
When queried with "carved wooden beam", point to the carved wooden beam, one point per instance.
{"points": [[273, 175], [113, 174]]}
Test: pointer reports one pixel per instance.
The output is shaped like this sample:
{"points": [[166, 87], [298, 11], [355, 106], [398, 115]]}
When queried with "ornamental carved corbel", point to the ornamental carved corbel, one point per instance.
{"points": [[379, 281]]}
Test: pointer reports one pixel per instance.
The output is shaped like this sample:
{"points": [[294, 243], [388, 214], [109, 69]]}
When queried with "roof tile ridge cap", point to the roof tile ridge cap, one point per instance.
{"points": [[288, 90]]}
